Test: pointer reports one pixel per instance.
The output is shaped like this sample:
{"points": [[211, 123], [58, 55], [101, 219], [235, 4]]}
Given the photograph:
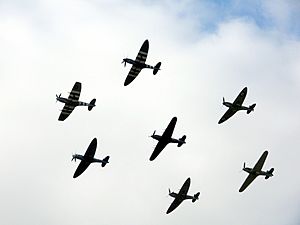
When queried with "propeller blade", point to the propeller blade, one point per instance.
{"points": [[244, 165], [223, 99]]}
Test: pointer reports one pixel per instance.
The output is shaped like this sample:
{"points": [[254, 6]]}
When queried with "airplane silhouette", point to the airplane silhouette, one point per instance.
{"points": [[72, 101], [139, 63], [256, 171], [236, 106], [88, 158], [182, 195], [166, 138]]}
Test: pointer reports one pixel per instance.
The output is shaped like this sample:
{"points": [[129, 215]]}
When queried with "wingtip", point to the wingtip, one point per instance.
{"points": [[151, 159]]}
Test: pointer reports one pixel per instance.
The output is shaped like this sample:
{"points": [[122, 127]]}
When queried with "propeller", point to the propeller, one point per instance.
{"points": [[244, 166], [73, 157], [58, 96], [124, 62], [153, 133], [223, 99]]}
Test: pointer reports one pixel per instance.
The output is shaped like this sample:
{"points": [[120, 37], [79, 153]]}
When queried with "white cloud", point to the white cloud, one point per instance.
{"points": [[45, 51]]}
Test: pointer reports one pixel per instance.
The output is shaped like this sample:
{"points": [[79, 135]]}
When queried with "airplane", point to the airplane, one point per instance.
{"points": [[139, 63], [236, 106], [256, 171], [166, 138], [182, 195], [72, 101], [88, 158]]}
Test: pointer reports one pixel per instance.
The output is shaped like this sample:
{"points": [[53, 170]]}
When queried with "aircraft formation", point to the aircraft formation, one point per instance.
{"points": [[163, 140]]}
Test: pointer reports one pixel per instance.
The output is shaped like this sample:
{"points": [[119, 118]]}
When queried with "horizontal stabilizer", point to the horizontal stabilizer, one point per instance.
{"points": [[92, 104], [196, 197], [269, 173], [105, 161], [156, 68], [181, 141], [251, 108]]}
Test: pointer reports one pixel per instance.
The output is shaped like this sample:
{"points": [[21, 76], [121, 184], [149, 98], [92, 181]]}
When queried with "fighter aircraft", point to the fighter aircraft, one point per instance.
{"points": [[139, 63], [72, 101], [236, 106], [181, 196], [166, 138], [256, 171], [88, 158]]}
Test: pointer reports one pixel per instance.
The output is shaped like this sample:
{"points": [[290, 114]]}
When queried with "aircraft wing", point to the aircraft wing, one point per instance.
{"points": [[258, 166], [158, 148], [248, 181], [66, 111], [141, 58], [165, 139], [75, 93], [134, 71], [142, 55], [177, 201], [229, 113], [90, 152], [185, 187], [180, 196], [83, 165], [241, 97]]}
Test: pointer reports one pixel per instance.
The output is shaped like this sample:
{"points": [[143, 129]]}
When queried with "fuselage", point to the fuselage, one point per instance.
{"points": [[170, 140], [73, 102], [137, 63], [257, 173], [184, 197], [235, 106], [87, 159]]}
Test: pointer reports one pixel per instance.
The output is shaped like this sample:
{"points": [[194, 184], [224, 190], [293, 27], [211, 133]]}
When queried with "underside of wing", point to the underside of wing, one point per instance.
{"points": [[241, 97], [185, 187], [229, 113], [248, 181], [90, 152], [75, 93], [83, 165], [65, 112], [134, 71], [177, 201], [142, 55], [170, 129], [159, 147], [259, 165]]}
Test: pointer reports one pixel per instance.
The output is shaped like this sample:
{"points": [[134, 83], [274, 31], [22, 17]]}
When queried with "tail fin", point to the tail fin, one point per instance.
{"points": [[105, 161], [182, 141], [269, 173], [156, 68], [251, 108], [196, 197], [92, 104]]}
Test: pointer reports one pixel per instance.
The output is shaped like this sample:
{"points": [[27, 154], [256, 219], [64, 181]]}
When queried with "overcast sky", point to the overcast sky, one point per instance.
{"points": [[208, 50]]}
